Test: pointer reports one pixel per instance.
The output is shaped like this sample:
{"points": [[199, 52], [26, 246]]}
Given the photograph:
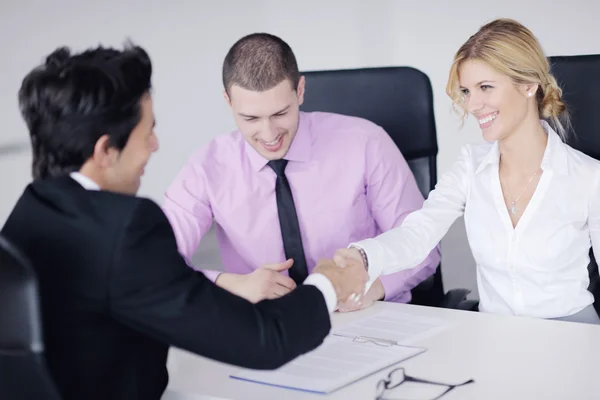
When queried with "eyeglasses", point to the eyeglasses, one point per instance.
{"points": [[397, 376]]}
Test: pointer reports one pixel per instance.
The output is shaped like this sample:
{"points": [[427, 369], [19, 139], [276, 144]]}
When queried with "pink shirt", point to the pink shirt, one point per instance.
{"points": [[349, 181]]}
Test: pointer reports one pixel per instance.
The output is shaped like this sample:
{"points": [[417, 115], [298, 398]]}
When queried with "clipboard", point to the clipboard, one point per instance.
{"points": [[340, 361]]}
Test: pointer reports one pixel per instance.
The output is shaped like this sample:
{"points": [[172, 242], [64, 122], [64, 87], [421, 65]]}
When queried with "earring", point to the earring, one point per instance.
{"points": [[529, 94]]}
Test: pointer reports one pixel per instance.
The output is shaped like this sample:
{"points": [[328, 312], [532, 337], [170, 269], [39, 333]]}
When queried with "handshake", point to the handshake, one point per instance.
{"points": [[348, 275], [346, 271]]}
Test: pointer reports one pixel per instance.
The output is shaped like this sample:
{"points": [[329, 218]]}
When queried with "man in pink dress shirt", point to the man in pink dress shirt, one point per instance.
{"points": [[344, 180]]}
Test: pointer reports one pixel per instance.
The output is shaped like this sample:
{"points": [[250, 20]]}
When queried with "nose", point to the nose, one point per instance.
{"points": [[270, 131], [474, 102], [154, 143]]}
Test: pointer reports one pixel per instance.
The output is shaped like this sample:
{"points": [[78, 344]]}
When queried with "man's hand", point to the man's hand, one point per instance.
{"points": [[265, 282], [345, 256], [375, 293], [349, 282]]}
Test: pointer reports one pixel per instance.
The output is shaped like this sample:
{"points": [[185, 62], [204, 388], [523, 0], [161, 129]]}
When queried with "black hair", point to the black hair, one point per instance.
{"points": [[72, 100]]}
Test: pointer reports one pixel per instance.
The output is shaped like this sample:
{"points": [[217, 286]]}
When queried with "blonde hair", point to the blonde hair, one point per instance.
{"points": [[511, 49]]}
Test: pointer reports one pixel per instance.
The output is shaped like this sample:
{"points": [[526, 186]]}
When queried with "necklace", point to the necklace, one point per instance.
{"points": [[513, 208]]}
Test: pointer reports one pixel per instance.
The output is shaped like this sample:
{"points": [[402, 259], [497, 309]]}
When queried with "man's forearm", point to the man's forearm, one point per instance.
{"points": [[226, 280]]}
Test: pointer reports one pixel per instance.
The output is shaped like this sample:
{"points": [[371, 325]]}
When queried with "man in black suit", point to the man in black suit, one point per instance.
{"points": [[115, 292]]}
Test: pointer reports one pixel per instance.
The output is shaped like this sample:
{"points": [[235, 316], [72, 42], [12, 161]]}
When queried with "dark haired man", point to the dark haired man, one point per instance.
{"points": [[115, 292], [288, 186]]}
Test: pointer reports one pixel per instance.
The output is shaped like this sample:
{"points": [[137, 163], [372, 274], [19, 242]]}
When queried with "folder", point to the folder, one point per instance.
{"points": [[340, 361]]}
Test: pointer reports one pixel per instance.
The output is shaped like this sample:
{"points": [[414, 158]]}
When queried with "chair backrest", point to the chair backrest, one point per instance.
{"points": [[400, 100], [579, 78], [23, 373]]}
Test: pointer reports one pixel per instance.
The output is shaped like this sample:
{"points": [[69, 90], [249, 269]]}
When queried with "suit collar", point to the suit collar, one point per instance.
{"points": [[84, 181]]}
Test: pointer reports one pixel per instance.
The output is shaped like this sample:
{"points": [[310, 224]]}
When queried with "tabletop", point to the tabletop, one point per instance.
{"points": [[509, 358]]}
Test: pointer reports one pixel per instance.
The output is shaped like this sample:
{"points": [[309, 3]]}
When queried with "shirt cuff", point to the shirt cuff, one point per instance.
{"points": [[210, 274], [326, 287], [374, 256]]}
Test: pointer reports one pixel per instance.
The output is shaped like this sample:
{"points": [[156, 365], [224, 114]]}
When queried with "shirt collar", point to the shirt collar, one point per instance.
{"points": [[84, 181], [554, 159], [300, 149], [491, 158]]}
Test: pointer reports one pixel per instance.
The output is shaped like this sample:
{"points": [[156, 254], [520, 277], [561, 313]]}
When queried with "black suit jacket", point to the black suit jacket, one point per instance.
{"points": [[116, 293]]}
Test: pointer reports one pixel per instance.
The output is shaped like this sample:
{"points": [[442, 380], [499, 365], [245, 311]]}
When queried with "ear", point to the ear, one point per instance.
{"points": [[227, 98], [529, 90], [104, 156], [300, 90]]}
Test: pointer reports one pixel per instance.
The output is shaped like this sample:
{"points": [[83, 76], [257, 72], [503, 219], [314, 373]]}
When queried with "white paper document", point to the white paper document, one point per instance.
{"points": [[338, 362], [396, 326]]}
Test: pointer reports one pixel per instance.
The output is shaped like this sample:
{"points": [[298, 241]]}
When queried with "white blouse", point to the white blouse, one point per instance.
{"points": [[537, 269]]}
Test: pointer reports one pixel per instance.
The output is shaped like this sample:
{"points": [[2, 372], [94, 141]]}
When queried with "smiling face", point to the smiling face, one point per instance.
{"points": [[124, 174], [268, 120], [121, 171], [499, 105]]}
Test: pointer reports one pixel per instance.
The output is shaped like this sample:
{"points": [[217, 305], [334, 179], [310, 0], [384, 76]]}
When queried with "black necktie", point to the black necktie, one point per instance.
{"points": [[288, 221]]}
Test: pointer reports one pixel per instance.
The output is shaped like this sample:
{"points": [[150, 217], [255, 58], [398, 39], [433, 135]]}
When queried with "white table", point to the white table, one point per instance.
{"points": [[509, 358]]}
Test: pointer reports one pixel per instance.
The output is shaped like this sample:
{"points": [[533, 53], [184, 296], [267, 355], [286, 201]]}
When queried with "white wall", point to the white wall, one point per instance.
{"points": [[188, 40]]}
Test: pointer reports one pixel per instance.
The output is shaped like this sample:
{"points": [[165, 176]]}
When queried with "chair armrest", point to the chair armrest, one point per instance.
{"points": [[454, 297], [468, 305]]}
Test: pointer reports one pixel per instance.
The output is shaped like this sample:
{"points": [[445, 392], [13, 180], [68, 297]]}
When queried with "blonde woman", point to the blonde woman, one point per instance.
{"points": [[531, 203]]}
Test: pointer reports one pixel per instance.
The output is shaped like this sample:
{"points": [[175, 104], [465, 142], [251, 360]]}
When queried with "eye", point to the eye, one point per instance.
{"points": [[464, 91], [250, 119], [485, 87], [281, 114]]}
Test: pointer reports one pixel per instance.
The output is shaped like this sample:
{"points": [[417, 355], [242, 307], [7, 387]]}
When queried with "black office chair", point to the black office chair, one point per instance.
{"points": [[400, 100], [579, 77], [23, 373]]}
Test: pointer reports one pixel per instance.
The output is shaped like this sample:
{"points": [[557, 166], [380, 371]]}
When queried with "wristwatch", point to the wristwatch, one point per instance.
{"points": [[365, 260]]}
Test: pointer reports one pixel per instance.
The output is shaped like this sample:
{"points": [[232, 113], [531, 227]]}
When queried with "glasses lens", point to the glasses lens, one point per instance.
{"points": [[396, 377], [380, 388]]}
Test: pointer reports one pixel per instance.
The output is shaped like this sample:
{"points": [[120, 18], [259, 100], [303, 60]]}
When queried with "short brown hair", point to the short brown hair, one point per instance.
{"points": [[259, 62], [513, 50]]}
